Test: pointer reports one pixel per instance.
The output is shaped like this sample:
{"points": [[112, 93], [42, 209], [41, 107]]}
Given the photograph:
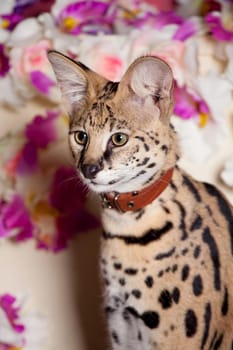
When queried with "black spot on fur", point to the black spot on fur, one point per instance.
{"points": [[151, 319], [151, 165], [190, 323], [136, 293], [144, 162], [149, 281], [165, 299], [185, 272], [197, 251], [146, 147], [176, 295], [131, 271], [197, 285], [117, 266], [196, 224], [122, 281], [165, 255], [184, 251], [164, 148], [115, 338]]}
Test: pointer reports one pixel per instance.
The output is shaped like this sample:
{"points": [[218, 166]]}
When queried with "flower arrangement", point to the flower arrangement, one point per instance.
{"points": [[41, 197], [107, 36], [19, 328]]}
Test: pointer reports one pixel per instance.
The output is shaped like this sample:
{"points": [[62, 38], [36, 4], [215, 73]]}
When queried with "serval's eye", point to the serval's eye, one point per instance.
{"points": [[80, 137], [119, 139]]}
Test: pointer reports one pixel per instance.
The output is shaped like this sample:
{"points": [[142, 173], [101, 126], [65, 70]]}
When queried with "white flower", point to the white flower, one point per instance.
{"points": [[25, 33], [227, 172]]}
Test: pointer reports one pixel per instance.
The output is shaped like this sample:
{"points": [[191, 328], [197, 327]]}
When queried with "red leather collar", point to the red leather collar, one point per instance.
{"points": [[132, 201]]}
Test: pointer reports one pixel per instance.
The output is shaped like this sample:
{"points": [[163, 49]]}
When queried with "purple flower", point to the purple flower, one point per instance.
{"points": [[41, 82], [218, 30], [42, 130], [39, 133], [68, 197], [7, 302], [10, 21], [188, 105], [14, 216], [28, 162], [4, 62], [154, 20], [87, 16], [32, 8], [185, 30]]}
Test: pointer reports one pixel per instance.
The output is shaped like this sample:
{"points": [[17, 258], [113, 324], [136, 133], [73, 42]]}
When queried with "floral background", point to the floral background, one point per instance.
{"points": [[41, 198]]}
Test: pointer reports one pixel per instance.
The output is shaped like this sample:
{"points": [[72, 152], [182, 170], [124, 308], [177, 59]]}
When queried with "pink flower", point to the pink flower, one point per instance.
{"points": [[63, 215], [86, 16], [31, 65], [33, 58], [42, 130], [189, 105], [15, 219], [68, 197], [7, 302], [110, 66], [39, 134], [162, 5], [4, 62], [220, 27], [186, 30]]}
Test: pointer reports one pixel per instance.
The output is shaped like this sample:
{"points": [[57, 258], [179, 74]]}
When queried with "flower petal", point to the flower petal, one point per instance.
{"points": [[42, 130], [41, 81]]}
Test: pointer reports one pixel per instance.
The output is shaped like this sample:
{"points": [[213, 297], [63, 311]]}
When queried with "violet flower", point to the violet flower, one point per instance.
{"points": [[68, 197], [15, 219], [4, 62], [158, 20], [86, 16], [41, 82], [186, 29], [10, 21], [32, 8], [188, 105], [7, 304], [42, 130], [39, 134], [218, 30]]}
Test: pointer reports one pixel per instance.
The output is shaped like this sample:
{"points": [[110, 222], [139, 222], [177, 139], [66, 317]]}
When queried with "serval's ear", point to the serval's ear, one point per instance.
{"points": [[77, 82], [149, 81]]}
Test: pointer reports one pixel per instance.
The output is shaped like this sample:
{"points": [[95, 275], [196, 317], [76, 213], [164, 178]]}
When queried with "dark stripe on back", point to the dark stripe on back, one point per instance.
{"points": [[165, 255], [209, 240], [182, 225], [225, 302], [224, 208], [212, 340], [218, 342], [207, 319], [148, 237], [192, 188], [196, 224]]}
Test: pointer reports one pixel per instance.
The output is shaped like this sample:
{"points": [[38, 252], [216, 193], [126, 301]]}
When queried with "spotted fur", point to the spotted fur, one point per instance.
{"points": [[167, 268]]}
